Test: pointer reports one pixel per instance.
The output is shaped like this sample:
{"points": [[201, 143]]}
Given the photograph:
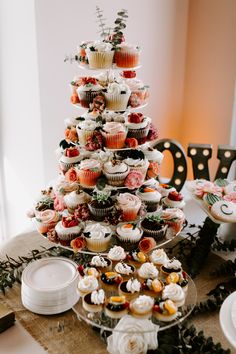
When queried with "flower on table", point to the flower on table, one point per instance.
{"points": [[129, 336]]}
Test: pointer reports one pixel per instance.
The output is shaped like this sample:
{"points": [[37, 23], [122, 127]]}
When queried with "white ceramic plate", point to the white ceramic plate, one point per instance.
{"points": [[233, 314], [50, 274], [226, 322]]}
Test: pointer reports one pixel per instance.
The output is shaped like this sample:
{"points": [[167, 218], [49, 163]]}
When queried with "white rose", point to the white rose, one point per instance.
{"points": [[128, 336]]}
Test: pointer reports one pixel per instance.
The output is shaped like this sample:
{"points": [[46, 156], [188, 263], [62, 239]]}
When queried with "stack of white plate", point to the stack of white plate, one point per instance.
{"points": [[49, 285]]}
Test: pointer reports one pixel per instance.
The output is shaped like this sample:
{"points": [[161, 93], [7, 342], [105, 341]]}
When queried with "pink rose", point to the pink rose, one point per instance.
{"points": [[231, 197], [59, 204], [72, 175], [134, 180]]}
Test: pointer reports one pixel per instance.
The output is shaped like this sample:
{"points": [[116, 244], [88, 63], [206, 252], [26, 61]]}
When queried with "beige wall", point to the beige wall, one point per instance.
{"points": [[210, 74]]}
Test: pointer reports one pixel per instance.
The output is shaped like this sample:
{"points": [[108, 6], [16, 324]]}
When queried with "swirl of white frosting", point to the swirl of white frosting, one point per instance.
{"points": [[136, 162], [67, 159], [117, 253], [159, 256], [73, 199], [148, 270], [90, 115], [134, 84], [113, 127], [88, 284], [98, 261], [154, 196], [128, 200], [100, 46], [115, 167], [102, 156], [89, 164], [128, 231], [123, 268], [89, 87], [47, 216], [87, 125], [133, 285], [115, 89], [153, 155], [97, 231], [173, 264], [173, 292], [111, 116], [143, 304], [173, 203], [63, 231], [98, 297]]}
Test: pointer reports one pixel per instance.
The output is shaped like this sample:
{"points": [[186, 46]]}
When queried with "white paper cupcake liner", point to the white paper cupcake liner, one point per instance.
{"points": [[117, 102], [100, 60]]}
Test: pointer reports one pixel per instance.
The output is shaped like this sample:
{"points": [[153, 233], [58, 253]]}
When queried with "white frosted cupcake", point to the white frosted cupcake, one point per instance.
{"points": [[174, 200], [150, 196], [87, 284], [94, 301], [114, 135], [85, 129], [141, 307], [117, 96], [97, 237], [175, 293], [70, 157], [127, 55], [158, 257], [116, 254], [68, 229], [130, 289], [115, 171], [137, 162], [89, 171], [147, 271], [74, 199], [129, 233], [100, 55], [138, 125], [130, 205]]}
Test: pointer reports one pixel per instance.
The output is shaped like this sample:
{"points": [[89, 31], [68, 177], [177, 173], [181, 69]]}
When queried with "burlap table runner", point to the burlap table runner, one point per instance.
{"points": [[77, 337]]}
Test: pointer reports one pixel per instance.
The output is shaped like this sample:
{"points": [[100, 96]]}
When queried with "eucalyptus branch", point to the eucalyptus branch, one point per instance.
{"points": [[219, 245]]}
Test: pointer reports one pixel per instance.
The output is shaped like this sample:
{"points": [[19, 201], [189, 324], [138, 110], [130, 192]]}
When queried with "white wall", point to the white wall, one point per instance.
{"points": [[21, 139]]}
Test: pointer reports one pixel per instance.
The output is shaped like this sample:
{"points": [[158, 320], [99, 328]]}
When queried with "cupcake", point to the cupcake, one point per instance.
{"points": [[69, 158], [116, 254], [116, 307], [110, 281], [172, 265], [97, 237], [114, 135], [113, 116], [173, 217], [101, 205], [165, 310], [74, 199], [175, 293], [137, 161], [102, 264], [152, 287], [87, 284], [147, 271], [125, 270], [141, 307], [85, 129], [138, 125], [178, 278], [129, 234], [100, 55], [158, 257], [115, 171], [117, 96], [68, 229], [89, 171], [139, 92], [129, 205], [173, 200], [130, 289], [153, 226], [149, 196], [88, 90], [165, 189], [155, 158], [46, 220], [137, 258], [126, 55], [94, 301]]}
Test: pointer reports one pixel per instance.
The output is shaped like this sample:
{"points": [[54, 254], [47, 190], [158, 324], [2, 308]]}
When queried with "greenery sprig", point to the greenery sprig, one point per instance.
{"points": [[103, 29], [226, 268], [219, 245]]}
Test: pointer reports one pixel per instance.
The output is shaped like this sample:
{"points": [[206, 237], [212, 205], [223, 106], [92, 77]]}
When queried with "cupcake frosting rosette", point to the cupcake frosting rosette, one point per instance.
{"points": [[100, 55], [115, 171], [89, 171], [114, 135], [97, 236], [117, 96]]}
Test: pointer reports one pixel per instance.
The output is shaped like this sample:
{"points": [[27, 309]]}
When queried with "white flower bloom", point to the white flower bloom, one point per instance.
{"points": [[132, 336]]}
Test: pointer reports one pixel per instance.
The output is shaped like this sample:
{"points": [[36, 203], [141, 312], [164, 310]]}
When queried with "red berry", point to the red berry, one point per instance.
{"points": [[72, 152], [175, 196], [128, 74], [156, 308], [135, 117], [126, 304], [81, 269]]}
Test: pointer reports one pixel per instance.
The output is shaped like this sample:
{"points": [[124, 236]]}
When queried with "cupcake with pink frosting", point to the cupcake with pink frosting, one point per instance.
{"points": [[114, 135], [130, 205], [46, 220], [89, 171], [127, 55]]}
